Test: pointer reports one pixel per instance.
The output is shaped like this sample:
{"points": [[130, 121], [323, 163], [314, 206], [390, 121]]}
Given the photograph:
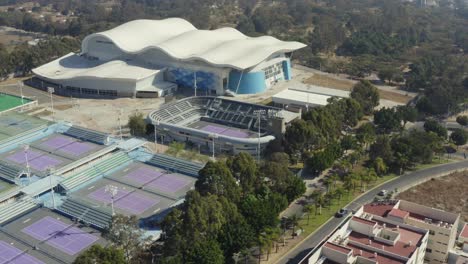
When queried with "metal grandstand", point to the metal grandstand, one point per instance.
{"points": [[88, 135], [86, 213], [175, 165], [9, 172]]}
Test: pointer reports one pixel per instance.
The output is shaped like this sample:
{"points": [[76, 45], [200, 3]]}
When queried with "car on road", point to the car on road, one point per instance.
{"points": [[342, 212], [382, 193]]}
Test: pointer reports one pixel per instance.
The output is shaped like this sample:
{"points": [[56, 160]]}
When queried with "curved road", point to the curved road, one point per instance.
{"points": [[401, 183]]}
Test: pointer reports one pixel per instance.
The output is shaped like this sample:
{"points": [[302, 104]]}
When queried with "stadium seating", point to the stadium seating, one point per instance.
{"points": [[98, 169], [88, 135], [9, 172], [175, 165], [16, 208], [85, 213]]}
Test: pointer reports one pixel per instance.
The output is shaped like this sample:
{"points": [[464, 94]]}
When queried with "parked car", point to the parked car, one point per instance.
{"points": [[342, 212], [382, 193]]}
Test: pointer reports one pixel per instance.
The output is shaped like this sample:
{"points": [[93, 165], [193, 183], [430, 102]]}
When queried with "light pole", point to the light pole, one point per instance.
{"points": [[213, 137], [195, 82], [120, 123], [259, 121], [51, 171], [112, 190], [156, 135], [26, 148], [20, 84], [51, 90]]}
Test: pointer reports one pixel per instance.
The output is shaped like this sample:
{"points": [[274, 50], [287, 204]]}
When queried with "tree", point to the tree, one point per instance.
{"points": [[308, 208], [294, 222], [205, 251], [216, 178], [381, 148], [387, 119], [462, 120], [432, 125], [459, 137], [407, 114], [298, 135], [244, 168], [137, 125], [102, 255], [379, 166], [176, 148], [365, 134], [348, 142], [366, 95], [387, 74], [125, 234]]}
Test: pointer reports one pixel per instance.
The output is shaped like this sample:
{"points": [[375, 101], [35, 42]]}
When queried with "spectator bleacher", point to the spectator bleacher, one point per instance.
{"points": [[9, 172], [98, 169], [86, 134], [99, 218], [175, 165], [16, 208]]}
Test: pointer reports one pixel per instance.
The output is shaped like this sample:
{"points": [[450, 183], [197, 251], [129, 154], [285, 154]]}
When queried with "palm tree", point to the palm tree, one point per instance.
{"points": [[334, 177], [294, 222], [308, 210], [245, 253], [339, 192], [273, 233]]}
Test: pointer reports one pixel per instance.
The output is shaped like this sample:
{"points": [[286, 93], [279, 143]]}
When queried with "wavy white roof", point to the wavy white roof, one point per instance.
{"points": [[224, 47]]}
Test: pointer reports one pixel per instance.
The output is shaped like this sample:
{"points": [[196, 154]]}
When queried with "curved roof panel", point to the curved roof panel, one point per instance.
{"points": [[224, 47]]}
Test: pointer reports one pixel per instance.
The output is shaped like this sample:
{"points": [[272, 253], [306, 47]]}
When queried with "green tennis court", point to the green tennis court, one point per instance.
{"points": [[9, 101]]}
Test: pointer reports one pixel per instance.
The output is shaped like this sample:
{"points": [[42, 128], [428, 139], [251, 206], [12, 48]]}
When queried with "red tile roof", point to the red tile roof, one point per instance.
{"points": [[378, 209], [337, 247], [368, 254], [398, 213], [364, 221], [400, 248], [464, 232]]}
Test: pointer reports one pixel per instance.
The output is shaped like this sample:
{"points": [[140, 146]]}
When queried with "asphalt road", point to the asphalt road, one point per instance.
{"points": [[408, 179]]}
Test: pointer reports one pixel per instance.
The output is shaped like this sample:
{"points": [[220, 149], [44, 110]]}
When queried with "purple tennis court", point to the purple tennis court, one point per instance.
{"points": [[10, 254], [43, 162], [169, 183], [20, 157], [225, 131], [143, 175], [57, 142], [77, 148], [66, 238], [132, 202]]}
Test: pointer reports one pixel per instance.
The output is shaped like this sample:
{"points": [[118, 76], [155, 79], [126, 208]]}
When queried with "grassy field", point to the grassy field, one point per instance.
{"points": [[10, 101]]}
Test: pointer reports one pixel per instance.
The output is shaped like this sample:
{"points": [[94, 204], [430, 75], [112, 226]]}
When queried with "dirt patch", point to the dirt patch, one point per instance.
{"points": [[63, 107], [347, 85], [448, 193]]}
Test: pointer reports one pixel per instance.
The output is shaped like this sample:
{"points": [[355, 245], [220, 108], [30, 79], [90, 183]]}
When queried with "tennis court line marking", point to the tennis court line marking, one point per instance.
{"points": [[126, 170], [92, 187], [27, 220], [157, 210]]}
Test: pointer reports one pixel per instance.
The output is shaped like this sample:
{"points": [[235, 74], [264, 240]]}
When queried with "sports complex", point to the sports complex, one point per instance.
{"points": [[60, 185], [220, 125], [153, 58]]}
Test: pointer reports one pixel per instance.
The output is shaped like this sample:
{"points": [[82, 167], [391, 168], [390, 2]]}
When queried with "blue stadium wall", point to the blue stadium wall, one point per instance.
{"points": [[186, 78], [287, 69], [250, 83]]}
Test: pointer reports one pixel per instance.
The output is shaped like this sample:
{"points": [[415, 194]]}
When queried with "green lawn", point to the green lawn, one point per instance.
{"points": [[10, 101]]}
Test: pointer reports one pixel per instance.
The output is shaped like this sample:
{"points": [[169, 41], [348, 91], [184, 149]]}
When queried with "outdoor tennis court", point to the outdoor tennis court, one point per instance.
{"points": [[38, 160], [49, 236], [13, 124], [66, 146], [10, 254], [135, 203], [128, 200], [223, 130], [64, 237], [9, 101], [154, 180]]}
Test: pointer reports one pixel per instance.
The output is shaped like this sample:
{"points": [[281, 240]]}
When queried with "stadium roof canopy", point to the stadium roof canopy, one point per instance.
{"points": [[176, 37]]}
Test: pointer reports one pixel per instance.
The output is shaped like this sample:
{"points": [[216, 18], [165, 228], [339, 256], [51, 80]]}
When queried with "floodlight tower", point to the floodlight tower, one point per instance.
{"points": [[51, 171], [20, 84], [120, 123], [259, 121], [25, 149], [213, 137], [195, 82], [51, 90], [112, 190], [156, 135]]}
